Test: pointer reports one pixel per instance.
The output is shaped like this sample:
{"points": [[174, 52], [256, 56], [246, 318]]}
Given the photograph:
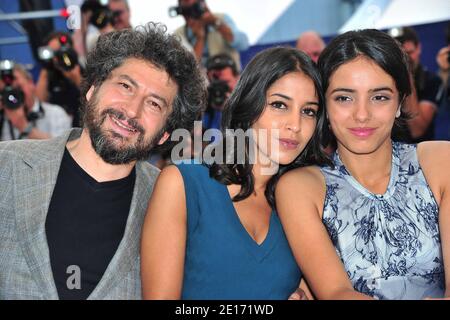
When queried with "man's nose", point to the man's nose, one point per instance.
{"points": [[134, 108]]}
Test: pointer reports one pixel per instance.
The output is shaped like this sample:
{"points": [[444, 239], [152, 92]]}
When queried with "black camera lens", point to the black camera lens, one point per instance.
{"points": [[46, 55], [12, 98], [194, 11], [174, 11], [102, 17], [217, 92], [67, 58]]}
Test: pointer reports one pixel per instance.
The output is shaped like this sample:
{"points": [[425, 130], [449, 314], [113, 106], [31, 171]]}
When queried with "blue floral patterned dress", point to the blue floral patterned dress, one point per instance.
{"points": [[389, 243]]}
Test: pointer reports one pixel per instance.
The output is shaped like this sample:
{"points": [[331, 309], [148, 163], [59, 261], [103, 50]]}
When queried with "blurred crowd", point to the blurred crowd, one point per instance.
{"points": [[48, 105]]}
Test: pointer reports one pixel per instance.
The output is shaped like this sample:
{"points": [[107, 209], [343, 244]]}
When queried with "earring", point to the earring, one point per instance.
{"points": [[399, 112]]}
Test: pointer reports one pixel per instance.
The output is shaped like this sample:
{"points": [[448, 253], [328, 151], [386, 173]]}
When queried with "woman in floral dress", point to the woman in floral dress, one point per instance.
{"points": [[377, 224]]}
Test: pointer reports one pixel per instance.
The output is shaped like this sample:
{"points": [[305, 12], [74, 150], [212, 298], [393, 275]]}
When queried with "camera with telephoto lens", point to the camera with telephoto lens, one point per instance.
{"points": [[217, 92], [101, 14], [218, 89], [66, 57], [12, 98], [194, 11]]}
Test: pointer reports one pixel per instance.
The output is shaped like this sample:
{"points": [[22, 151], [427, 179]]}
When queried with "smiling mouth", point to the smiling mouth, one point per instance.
{"points": [[289, 144], [362, 132], [122, 125]]}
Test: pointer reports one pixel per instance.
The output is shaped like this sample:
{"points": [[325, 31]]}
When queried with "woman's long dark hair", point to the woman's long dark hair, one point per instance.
{"points": [[377, 46], [247, 103]]}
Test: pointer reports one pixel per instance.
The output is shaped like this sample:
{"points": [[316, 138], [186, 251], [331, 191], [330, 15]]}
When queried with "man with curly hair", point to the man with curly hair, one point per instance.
{"points": [[71, 208]]}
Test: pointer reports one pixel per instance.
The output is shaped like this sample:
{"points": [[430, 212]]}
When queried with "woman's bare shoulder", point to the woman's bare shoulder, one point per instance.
{"points": [[305, 180]]}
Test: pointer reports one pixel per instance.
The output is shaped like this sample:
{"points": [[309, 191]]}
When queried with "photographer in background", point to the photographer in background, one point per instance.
{"points": [[443, 59], [97, 18], [100, 17], [443, 117], [422, 104], [222, 75], [208, 34], [22, 114], [60, 78], [121, 13]]}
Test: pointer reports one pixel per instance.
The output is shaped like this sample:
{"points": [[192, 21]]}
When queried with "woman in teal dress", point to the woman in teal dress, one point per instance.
{"points": [[376, 225], [211, 230]]}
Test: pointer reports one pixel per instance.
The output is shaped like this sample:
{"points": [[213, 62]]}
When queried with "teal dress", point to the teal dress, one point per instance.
{"points": [[389, 243], [222, 261]]}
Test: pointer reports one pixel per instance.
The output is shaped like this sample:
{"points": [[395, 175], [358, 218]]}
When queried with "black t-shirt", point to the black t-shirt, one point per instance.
{"points": [[85, 223]]}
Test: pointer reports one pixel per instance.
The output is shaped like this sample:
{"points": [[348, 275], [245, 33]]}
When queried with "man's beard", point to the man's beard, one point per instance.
{"points": [[106, 142]]}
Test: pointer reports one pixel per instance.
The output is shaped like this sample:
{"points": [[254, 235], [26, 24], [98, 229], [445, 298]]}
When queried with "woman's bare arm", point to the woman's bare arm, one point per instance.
{"points": [[164, 238], [300, 196], [434, 158]]}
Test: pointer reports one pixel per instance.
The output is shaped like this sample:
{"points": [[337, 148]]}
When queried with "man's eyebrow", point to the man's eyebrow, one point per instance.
{"points": [[163, 100], [135, 84], [128, 78]]}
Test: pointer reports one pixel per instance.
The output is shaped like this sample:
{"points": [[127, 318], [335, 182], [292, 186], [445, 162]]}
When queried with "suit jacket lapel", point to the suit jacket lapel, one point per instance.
{"points": [[128, 251], [35, 180]]}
